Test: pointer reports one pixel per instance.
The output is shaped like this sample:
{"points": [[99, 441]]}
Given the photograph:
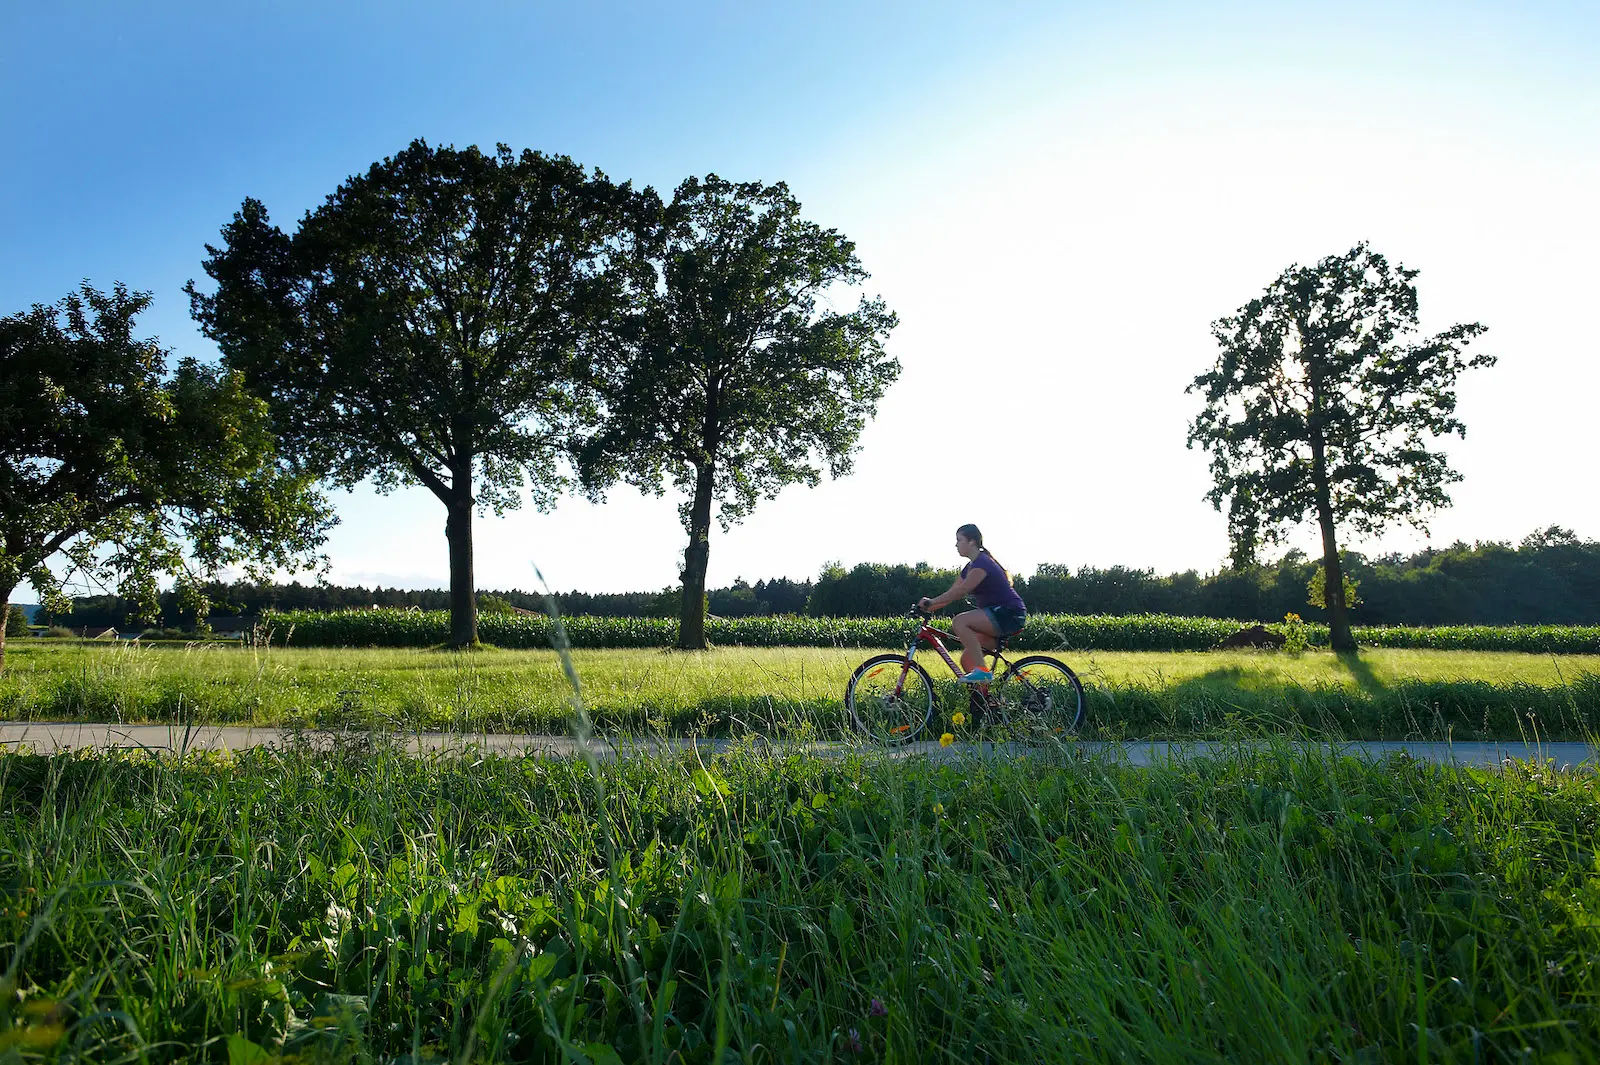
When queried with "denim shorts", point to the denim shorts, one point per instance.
{"points": [[1007, 621]]}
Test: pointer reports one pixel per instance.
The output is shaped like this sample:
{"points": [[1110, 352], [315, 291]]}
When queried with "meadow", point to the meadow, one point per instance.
{"points": [[362, 905], [1378, 694]]}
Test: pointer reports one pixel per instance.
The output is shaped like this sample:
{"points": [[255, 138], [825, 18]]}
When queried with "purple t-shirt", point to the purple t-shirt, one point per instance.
{"points": [[995, 588]]}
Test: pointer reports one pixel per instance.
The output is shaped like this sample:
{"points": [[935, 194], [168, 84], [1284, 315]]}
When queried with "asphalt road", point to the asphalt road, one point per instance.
{"points": [[51, 736]]}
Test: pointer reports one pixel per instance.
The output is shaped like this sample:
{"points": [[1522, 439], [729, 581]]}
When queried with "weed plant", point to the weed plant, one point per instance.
{"points": [[356, 904]]}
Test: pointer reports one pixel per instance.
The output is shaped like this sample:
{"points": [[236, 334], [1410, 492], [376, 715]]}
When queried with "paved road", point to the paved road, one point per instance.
{"points": [[46, 736]]}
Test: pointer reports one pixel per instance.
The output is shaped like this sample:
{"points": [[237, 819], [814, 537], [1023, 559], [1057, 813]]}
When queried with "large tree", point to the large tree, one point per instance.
{"points": [[736, 378], [429, 324], [127, 473], [1323, 404]]}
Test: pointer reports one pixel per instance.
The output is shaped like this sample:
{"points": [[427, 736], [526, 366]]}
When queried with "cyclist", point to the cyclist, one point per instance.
{"points": [[1000, 612]]}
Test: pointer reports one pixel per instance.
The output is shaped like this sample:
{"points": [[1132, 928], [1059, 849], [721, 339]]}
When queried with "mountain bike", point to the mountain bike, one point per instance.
{"points": [[890, 697]]}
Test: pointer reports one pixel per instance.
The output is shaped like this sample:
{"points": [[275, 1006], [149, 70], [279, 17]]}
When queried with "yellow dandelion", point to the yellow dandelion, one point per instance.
{"points": [[958, 719], [938, 807], [946, 740]]}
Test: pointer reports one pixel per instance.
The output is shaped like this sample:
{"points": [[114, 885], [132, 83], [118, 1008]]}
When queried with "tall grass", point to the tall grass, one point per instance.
{"points": [[357, 904]]}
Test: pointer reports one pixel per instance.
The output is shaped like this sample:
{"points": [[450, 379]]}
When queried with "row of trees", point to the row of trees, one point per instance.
{"points": [[740, 599], [1552, 577], [492, 327], [500, 326]]}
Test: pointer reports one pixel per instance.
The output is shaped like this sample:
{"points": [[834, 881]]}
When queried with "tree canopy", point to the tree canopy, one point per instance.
{"points": [[431, 324], [131, 474], [1321, 405], [735, 378]]}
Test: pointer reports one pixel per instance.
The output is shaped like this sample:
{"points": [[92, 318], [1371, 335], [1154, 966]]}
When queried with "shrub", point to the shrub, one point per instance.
{"points": [[1295, 639]]}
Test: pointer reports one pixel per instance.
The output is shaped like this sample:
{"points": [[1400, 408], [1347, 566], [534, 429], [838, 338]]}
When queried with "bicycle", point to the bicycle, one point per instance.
{"points": [[890, 696]]}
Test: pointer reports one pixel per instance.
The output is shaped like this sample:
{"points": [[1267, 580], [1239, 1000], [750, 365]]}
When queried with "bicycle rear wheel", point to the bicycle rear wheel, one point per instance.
{"points": [[889, 698], [1041, 694]]}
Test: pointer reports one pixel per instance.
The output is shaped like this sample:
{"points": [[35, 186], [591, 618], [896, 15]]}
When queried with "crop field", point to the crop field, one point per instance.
{"points": [[1380, 694], [393, 627], [362, 905]]}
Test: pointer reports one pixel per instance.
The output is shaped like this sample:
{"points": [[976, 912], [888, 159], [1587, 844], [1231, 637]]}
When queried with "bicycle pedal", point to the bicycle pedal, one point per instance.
{"points": [[980, 706]]}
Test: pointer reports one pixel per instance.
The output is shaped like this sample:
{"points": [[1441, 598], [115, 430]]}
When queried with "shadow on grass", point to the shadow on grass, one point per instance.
{"points": [[1224, 701], [1361, 672]]}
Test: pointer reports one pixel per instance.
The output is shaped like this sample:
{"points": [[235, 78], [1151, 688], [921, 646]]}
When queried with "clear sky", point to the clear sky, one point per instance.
{"points": [[1056, 198]]}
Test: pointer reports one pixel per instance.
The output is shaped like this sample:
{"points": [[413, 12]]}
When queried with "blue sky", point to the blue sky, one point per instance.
{"points": [[1057, 198]]}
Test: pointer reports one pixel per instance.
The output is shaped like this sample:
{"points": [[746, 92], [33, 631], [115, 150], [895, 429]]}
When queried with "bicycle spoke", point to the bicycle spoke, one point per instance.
{"points": [[1041, 695], [889, 701]]}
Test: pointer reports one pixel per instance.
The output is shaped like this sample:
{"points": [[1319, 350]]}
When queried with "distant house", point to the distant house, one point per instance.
{"points": [[93, 632], [233, 628]]}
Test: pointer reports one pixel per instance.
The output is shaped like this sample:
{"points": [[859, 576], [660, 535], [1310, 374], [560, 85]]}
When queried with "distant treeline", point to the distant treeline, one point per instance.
{"points": [[741, 599], [1552, 578]]}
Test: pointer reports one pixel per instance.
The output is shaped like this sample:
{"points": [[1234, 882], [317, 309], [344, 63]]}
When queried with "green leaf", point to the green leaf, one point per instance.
{"points": [[602, 1054], [840, 921], [242, 1051]]}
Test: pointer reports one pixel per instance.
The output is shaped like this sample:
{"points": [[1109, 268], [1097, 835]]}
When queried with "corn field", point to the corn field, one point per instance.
{"points": [[393, 627]]}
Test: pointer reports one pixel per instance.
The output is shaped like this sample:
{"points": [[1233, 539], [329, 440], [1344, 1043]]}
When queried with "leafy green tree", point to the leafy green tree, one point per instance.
{"points": [[1317, 588], [430, 324], [733, 381], [130, 474], [494, 604], [16, 624], [1320, 405]]}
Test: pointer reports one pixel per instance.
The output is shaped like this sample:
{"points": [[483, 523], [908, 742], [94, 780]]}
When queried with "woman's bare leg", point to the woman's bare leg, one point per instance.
{"points": [[976, 633]]}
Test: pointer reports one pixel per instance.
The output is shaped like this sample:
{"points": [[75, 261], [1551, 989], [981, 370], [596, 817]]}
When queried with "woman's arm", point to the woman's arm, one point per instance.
{"points": [[962, 587]]}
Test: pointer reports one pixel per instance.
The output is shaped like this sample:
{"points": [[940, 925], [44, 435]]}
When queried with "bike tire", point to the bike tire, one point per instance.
{"points": [[888, 717], [1041, 692]]}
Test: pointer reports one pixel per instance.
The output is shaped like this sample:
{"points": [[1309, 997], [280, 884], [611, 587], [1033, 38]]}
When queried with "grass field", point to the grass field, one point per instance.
{"points": [[1380, 694], [365, 906]]}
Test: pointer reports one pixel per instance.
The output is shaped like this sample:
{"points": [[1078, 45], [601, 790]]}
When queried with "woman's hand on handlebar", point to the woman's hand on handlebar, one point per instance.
{"points": [[925, 605]]}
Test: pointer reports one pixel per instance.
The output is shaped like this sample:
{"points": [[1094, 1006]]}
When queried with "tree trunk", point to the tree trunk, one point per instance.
{"points": [[463, 600], [1339, 636], [692, 621], [5, 618]]}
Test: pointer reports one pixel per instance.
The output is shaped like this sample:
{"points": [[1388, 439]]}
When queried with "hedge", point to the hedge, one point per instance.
{"points": [[392, 627]]}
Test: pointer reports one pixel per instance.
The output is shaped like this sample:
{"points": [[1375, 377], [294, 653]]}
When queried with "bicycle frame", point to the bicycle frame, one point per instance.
{"points": [[928, 633]]}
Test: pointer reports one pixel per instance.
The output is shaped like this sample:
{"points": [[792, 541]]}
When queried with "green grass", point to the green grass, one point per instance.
{"points": [[1380, 694], [360, 905]]}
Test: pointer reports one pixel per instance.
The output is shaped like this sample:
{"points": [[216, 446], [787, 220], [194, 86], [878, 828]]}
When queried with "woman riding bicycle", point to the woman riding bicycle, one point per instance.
{"points": [[1000, 612]]}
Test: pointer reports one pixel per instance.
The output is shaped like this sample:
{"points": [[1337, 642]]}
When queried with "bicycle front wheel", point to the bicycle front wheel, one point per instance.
{"points": [[889, 698], [1041, 694]]}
